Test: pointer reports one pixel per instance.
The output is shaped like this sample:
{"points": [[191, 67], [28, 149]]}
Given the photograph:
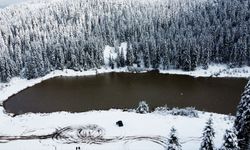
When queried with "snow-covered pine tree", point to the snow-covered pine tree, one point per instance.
{"points": [[230, 140], [208, 136], [143, 108], [146, 56], [111, 62], [173, 141], [186, 60], [118, 59], [130, 56], [122, 58], [242, 121], [165, 55], [194, 55]]}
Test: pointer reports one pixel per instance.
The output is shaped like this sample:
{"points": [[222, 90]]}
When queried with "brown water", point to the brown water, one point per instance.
{"points": [[125, 90]]}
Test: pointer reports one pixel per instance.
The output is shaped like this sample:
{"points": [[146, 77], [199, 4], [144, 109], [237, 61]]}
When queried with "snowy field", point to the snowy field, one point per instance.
{"points": [[152, 125]]}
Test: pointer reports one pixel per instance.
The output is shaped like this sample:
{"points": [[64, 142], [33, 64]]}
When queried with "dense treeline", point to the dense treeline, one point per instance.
{"points": [[242, 121], [183, 34]]}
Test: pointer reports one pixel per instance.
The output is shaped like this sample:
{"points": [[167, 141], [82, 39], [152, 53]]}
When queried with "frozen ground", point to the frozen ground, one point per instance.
{"points": [[149, 126], [214, 71]]}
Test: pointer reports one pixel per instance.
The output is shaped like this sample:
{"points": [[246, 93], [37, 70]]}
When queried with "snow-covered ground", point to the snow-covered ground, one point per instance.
{"points": [[214, 71], [135, 125]]}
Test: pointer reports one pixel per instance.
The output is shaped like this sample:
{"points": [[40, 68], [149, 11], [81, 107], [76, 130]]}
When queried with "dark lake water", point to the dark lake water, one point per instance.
{"points": [[125, 90]]}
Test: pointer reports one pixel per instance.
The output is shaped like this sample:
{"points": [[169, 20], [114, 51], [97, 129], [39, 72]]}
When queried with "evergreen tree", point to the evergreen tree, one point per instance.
{"points": [[165, 56], [194, 58], [118, 59], [208, 136], [173, 141], [230, 141], [146, 57], [143, 108], [5, 69], [242, 121], [122, 59], [111, 62], [59, 57], [186, 60], [129, 56]]}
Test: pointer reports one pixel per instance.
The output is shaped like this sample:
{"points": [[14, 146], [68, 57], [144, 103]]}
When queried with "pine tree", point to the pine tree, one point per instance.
{"points": [[122, 59], [59, 57], [5, 69], [186, 60], [111, 62], [173, 141], [242, 121], [143, 108], [165, 56], [146, 56], [208, 136], [230, 141], [194, 58], [129, 56], [118, 59]]}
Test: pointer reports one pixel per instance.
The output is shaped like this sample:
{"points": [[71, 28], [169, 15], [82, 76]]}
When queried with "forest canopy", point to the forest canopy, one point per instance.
{"points": [[161, 34]]}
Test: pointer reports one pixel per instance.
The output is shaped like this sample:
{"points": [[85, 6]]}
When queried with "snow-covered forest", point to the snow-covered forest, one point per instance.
{"points": [[53, 35]]}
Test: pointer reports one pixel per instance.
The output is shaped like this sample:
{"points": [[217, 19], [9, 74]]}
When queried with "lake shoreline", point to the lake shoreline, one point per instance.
{"points": [[125, 90], [156, 124], [18, 84]]}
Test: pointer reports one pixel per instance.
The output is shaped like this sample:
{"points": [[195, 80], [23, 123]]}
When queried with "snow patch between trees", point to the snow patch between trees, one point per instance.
{"points": [[111, 52]]}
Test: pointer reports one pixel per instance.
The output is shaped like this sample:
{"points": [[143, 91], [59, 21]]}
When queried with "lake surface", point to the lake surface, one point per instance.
{"points": [[125, 90]]}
